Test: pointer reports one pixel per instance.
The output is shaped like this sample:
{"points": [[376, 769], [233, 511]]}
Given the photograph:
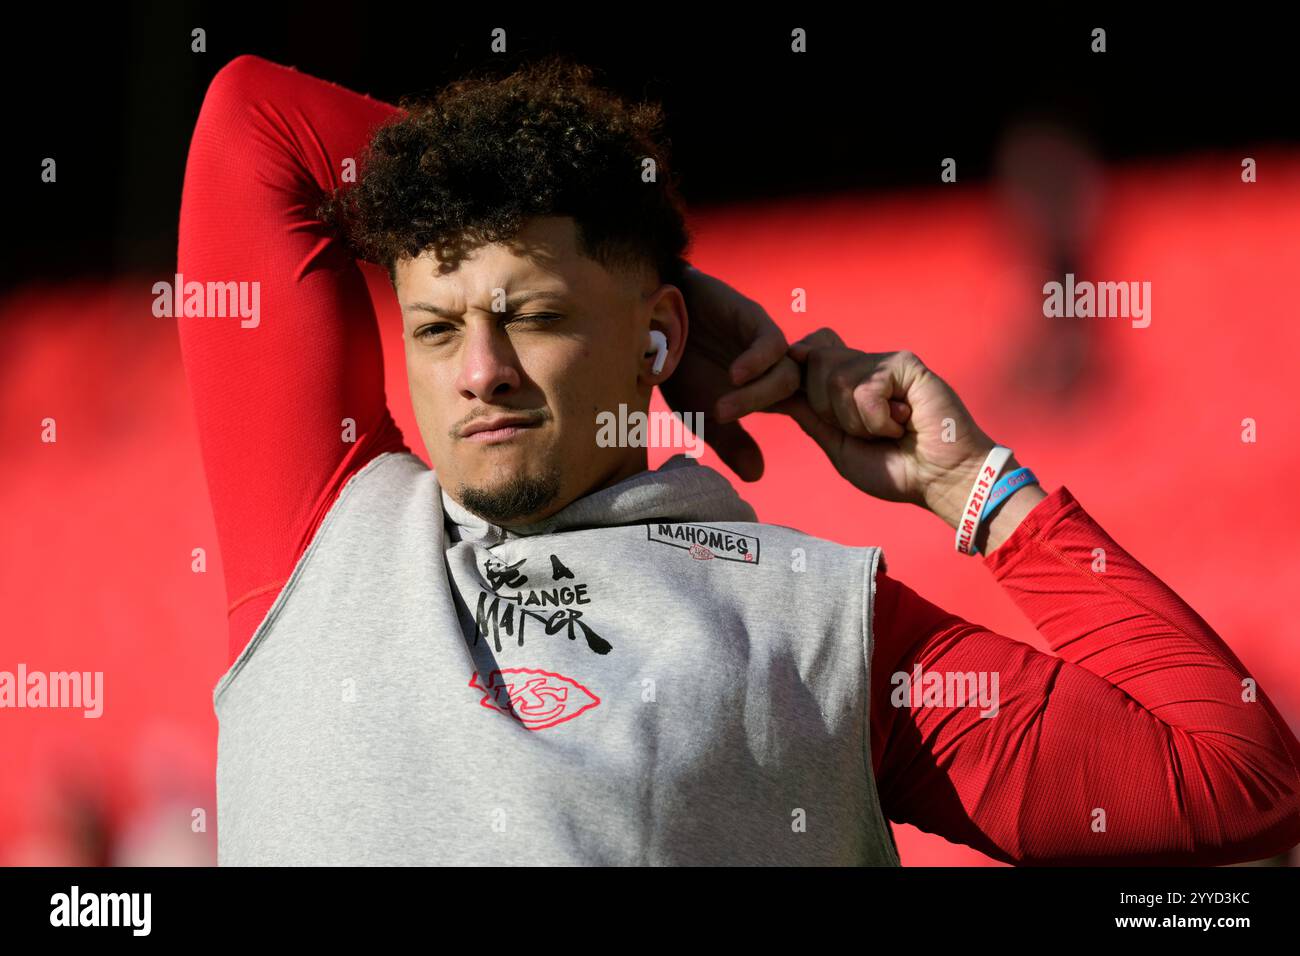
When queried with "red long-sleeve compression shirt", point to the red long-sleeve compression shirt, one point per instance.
{"points": [[1138, 712]]}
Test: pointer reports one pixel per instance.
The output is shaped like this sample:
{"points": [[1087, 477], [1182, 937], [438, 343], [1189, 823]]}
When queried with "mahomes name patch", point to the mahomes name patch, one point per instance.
{"points": [[704, 542]]}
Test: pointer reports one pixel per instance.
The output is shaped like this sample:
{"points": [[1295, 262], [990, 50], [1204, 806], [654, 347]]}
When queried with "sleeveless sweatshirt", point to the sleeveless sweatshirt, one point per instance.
{"points": [[648, 677]]}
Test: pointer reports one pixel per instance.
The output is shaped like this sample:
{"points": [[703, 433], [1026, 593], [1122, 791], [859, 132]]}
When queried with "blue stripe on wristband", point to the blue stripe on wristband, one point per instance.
{"points": [[1004, 488]]}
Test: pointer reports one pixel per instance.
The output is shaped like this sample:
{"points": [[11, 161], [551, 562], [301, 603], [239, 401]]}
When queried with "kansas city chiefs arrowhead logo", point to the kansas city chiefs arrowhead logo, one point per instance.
{"points": [[700, 553], [537, 699]]}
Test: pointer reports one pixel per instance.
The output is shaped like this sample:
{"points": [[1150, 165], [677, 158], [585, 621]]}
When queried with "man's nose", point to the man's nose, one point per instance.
{"points": [[488, 363]]}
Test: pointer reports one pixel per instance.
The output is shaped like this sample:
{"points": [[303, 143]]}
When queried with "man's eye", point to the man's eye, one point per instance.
{"points": [[430, 332]]}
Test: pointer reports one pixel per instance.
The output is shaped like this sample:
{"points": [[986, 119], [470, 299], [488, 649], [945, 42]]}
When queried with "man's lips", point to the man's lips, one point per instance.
{"points": [[497, 428]]}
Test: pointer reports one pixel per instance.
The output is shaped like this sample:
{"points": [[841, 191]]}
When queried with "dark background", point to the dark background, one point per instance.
{"points": [[113, 94]]}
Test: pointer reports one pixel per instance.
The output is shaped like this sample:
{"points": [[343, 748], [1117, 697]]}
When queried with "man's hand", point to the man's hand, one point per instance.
{"points": [[889, 425], [732, 342]]}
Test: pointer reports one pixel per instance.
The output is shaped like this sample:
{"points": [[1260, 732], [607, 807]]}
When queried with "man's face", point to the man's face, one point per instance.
{"points": [[536, 335]]}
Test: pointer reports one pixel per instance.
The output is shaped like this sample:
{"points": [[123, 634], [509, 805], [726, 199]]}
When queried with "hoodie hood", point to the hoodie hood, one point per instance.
{"points": [[681, 489]]}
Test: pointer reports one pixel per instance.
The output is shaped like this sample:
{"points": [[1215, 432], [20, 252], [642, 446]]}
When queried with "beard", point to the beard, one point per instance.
{"points": [[517, 497]]}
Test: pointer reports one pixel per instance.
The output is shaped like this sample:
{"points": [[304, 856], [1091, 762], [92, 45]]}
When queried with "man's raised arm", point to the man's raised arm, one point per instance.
{"points": [[275, 385]]}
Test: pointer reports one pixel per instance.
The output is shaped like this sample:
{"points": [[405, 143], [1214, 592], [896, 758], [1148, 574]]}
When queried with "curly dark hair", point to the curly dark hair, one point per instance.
{"points": [[468, 166]]}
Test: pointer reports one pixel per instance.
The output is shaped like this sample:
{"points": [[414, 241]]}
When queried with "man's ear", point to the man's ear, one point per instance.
{"points": [[667, 317]]}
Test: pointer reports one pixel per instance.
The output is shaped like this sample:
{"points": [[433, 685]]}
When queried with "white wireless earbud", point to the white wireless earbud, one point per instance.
{"points": [[659, 343]]}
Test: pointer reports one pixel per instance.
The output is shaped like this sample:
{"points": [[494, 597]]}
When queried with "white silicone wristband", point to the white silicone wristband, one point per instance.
{"points": [[969, 521]]}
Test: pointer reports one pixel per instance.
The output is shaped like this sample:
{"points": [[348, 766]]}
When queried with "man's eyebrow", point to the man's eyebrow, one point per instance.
{"points": [[513, 302]]}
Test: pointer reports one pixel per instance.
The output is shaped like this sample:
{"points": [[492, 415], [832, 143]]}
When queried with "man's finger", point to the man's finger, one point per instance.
{"points": [[828, 437], [823, 338], [817, 368], [779, 382], [871, 398], [737, 449], [848, 415], [763, 354]]}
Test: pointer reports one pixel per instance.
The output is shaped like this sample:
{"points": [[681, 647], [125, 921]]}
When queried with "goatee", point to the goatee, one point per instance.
{"points": [[517, 497]]}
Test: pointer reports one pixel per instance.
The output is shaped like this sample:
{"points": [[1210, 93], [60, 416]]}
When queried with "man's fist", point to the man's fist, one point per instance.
{"points": [[889, 425]]}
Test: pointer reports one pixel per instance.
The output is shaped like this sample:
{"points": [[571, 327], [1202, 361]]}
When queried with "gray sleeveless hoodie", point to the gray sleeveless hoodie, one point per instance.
{"points": [[649, 676]]}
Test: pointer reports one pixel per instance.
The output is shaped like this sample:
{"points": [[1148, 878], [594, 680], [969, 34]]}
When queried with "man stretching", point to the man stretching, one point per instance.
{"points": [[544, 653]]}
